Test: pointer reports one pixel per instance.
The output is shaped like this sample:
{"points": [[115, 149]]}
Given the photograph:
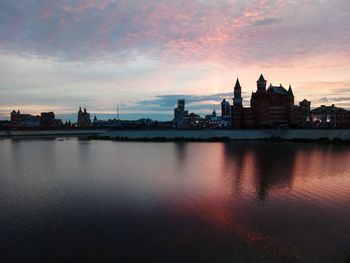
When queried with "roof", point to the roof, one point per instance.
{"points": [[279, 90], [328, 109], [237, 85], [261, 78]]}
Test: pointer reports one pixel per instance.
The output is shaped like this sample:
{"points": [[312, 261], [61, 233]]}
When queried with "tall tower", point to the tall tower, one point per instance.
{"points": [[261, 84], [237, 100], [181, 105]]}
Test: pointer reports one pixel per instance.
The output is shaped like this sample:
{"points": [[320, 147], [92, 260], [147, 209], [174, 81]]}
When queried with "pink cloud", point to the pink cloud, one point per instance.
{"points": [[241, 32]]}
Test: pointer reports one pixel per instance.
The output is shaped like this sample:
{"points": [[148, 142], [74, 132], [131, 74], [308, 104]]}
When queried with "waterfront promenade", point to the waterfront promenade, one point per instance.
{"points": [[50, 133], [287, 134]]}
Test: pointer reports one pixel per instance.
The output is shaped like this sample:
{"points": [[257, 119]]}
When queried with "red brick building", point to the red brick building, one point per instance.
{"points": [[271, 107]]}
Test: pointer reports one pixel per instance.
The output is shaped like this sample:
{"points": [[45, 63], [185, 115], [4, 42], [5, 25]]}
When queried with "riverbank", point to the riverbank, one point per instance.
{"points": [[50, 133], [341, 136], [334, 136]]}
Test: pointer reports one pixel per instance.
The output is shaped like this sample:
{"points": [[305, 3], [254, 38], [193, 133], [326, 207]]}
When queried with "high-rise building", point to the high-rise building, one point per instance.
{"points": [[180, 115], [237, 92], [225, 113]]}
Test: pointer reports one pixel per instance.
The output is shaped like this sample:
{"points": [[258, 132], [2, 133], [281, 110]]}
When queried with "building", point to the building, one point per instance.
{"points": [[212, 120], [183, 119], [84, 120], [225, 113], [15, 118], [24, 120], [48, 119], [271, 107], [329, 117], [180, 115], [5, 124], [45, 120]]}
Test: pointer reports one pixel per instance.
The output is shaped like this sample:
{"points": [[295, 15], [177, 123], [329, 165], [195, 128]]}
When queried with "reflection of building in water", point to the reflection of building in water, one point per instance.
{"points": [[275, 169], [180, 149], [248, 164], [236, 158]]}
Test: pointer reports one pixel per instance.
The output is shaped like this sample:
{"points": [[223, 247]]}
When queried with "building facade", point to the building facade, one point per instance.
{"points": [[48, 119], [270, 107], [84, 120], [329, 117], [225, 113], [45, 120], [180, 115], [19, 120]]}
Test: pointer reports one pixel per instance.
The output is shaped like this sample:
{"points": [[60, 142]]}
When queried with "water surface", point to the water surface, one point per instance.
{"points": [[80, 201]]}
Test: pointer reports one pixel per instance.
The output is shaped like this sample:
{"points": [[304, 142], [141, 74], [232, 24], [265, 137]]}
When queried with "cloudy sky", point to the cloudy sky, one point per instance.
{"points": [[144, 54]]}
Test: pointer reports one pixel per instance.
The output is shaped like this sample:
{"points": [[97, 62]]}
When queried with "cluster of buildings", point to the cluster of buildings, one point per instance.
{"points": [[270, 107], [45, 120], [185, 120]]}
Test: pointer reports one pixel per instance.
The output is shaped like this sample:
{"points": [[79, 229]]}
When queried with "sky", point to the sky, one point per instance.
{"points": [[143, 55]]}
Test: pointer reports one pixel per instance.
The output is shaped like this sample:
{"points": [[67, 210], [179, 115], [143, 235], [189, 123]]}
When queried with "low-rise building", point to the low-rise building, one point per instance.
{"points": [[48, 119], [24, 120], [330, 117]]}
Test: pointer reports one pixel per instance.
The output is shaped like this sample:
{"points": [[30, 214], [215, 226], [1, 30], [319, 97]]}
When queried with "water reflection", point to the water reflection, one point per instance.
{"points": [[211, 202], [180, 153]]}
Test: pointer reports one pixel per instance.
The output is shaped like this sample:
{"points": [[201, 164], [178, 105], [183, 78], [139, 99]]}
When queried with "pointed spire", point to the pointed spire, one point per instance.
{"points": [[79, 108], [237, 85], [290, 91], [261, 78]]}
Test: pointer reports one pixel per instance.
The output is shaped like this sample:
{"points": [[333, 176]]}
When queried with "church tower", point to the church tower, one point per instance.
{"points": [[237, 100], [261, 84]]}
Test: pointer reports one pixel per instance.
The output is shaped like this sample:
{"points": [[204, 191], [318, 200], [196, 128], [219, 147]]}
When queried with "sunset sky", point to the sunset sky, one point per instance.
{"points": [[144, 54]]}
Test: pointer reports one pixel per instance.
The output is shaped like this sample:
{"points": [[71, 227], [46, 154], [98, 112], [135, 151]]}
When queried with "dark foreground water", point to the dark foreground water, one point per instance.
{"points": [[102, 201]]}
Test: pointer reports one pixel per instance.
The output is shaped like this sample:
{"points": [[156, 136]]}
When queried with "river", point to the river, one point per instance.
{"points": [[73, 200]]}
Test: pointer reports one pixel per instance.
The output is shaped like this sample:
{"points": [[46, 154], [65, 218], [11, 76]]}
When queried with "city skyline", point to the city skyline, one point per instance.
{"points": [[142, 56]]}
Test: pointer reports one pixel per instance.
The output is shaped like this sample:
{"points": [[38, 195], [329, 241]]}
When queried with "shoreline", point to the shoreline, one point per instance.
{"points": [[337, 141], [334, 136], [49, 133]]}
